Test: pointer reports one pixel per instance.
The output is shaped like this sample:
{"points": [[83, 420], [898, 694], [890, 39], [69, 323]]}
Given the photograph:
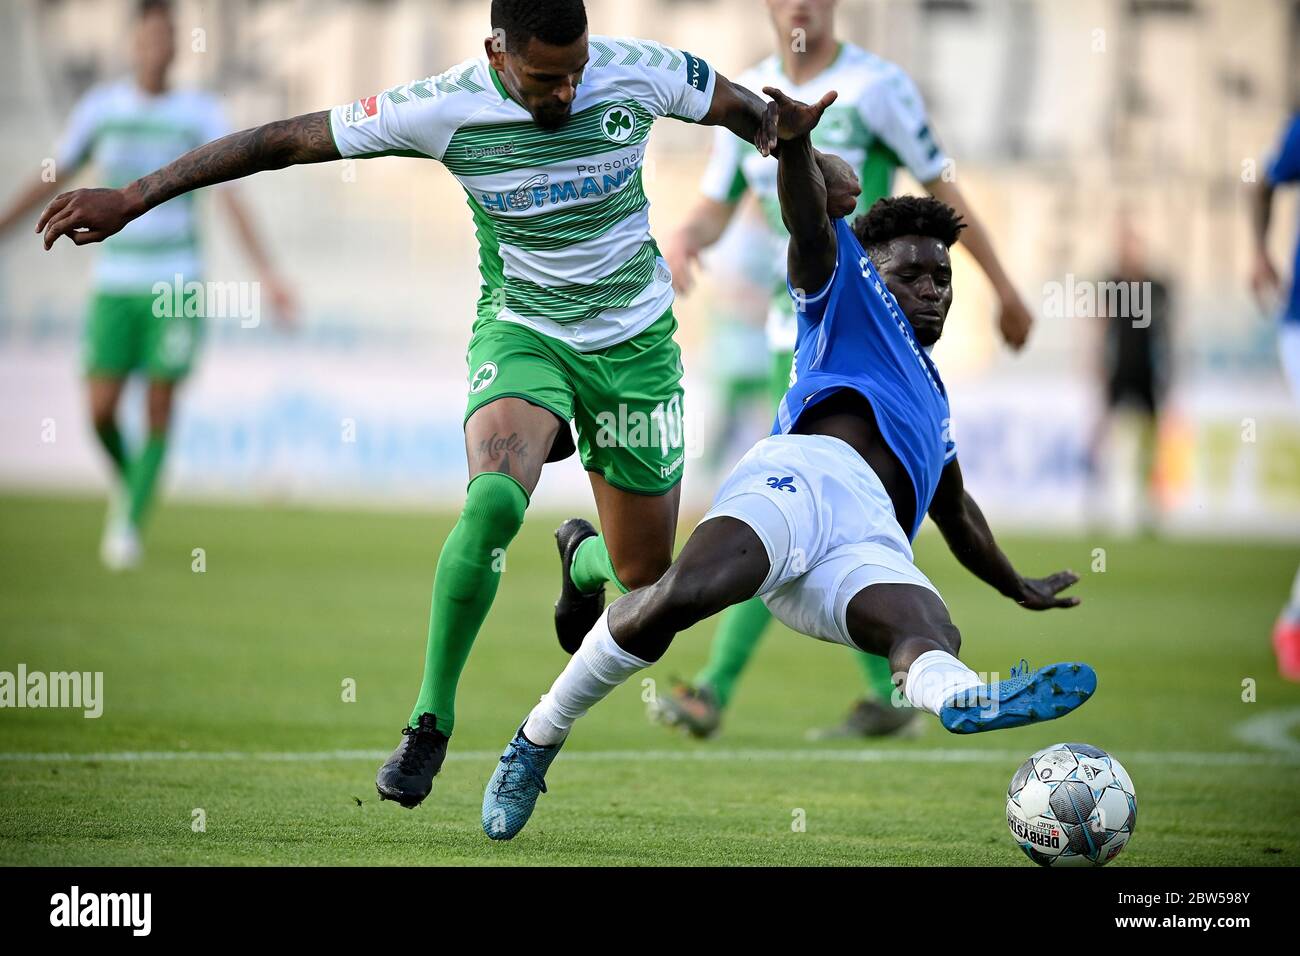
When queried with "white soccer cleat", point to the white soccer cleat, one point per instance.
{"points": [[121, 549]]}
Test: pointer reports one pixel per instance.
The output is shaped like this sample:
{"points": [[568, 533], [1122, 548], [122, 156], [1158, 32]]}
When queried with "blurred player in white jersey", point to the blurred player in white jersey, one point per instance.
{"points": [[877, 125], [127, 128]]}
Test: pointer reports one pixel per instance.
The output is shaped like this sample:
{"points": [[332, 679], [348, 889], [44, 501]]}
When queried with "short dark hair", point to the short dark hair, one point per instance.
{"points": [[146, 7], [889, 219], [554, 22]]}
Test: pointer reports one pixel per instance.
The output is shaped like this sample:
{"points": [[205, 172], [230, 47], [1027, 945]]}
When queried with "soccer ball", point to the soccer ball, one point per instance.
{"points": [[1071, 805]]}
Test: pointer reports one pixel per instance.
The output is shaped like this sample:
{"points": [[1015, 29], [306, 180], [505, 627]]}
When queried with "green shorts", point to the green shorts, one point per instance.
{"points": [[123, 335], [782, 366], [626, 400]]}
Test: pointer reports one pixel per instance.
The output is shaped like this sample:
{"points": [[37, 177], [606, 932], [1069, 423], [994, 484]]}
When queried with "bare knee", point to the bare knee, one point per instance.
{"points": [[679, 601], [948, 634], [103, 417], [160, 407], [103, 410], [639, 571]]}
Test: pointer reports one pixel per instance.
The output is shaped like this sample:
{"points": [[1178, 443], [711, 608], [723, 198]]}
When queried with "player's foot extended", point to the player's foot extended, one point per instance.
{"points": [[517, 782], [696, 709], [1026, 697], [870, 718], [407, 776], [575, 612], [1286, 644]]}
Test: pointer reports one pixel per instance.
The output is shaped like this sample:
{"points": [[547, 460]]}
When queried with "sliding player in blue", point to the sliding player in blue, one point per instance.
{"points": [[818, 518]]}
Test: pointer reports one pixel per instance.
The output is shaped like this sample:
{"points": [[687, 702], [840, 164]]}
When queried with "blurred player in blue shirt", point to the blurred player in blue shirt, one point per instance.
{"points": [[1282, 169]]}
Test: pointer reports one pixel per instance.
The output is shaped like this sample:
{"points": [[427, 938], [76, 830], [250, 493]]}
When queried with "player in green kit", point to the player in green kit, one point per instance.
{"points": [[877, 125], [546, 132], [126, 129]]}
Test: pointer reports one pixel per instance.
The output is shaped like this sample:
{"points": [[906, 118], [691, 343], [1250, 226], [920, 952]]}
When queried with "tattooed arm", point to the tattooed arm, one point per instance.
{"points": [[92, 215]]}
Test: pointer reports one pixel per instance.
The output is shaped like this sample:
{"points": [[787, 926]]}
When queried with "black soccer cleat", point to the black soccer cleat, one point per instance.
{"points": [[576, 612], [407, 776]]}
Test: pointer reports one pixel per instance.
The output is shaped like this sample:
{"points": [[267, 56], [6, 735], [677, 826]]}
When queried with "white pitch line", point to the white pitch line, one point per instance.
{"points": [[702, 755]]}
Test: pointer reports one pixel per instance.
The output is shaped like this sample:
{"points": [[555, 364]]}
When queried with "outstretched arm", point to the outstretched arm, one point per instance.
{"points": [[963, 526], [1264, 281], [801, 188], [92, 215], [744, 113]]}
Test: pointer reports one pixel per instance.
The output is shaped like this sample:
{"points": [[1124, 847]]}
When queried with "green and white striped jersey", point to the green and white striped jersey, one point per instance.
{"points": [[877, 124], [128, 133], [561, 215]]}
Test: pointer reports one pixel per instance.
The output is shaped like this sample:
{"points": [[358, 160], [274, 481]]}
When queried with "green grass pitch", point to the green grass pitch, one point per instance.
{"points": [[249, 658]]}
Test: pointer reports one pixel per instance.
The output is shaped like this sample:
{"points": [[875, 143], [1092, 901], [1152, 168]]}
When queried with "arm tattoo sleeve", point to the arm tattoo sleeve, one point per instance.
{"points": [[291, 142]]}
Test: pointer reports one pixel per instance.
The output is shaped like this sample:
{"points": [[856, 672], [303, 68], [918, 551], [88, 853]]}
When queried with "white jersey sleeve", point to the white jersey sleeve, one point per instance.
{"points": [[415, 119], [724, 177], [79, 134], [893, 109], [666, 81]]}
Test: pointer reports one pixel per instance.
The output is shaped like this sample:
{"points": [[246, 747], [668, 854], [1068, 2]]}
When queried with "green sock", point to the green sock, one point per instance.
{"points": [[876, 673], [111, 439], [142, 478], [469, 570], [592, 566], [733, 645]]}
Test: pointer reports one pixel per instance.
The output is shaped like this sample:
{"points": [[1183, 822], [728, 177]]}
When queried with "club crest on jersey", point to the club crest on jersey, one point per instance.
{"points": [[618, 124], [485, 376], [782, 484], [362, 111]]}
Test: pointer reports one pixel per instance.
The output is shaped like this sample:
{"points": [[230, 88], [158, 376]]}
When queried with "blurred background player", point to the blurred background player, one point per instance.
{"points": [[128, 128], [1283, 169], [878, 124], [1134, 355]]}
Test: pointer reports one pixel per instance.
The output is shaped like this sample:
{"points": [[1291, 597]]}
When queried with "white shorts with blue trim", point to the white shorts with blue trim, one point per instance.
{"points": [[827, 524]]}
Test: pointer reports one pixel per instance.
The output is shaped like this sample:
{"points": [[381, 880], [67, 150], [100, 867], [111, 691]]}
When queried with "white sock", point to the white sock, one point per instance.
{"points": [[935, 678], [599, 666]]}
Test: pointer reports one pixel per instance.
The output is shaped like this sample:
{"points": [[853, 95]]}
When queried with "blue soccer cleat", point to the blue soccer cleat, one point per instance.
{"points": [[1026, 697], [517, 782]]}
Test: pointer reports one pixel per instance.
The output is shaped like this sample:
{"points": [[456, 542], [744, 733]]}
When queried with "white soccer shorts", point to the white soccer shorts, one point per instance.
{"points": [[1288, 346], [827, 524]]}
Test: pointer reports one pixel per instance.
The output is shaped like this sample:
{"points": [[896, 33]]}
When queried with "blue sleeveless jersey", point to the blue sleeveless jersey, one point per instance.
{"points": [[853, 335]]}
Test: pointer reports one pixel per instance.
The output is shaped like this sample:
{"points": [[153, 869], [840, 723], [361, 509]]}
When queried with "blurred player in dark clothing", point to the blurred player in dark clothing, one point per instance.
{"points": [[1134, 307]]}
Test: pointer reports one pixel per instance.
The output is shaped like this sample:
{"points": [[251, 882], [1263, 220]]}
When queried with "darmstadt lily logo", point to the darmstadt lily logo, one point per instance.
{"points": [[782, 484]]}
